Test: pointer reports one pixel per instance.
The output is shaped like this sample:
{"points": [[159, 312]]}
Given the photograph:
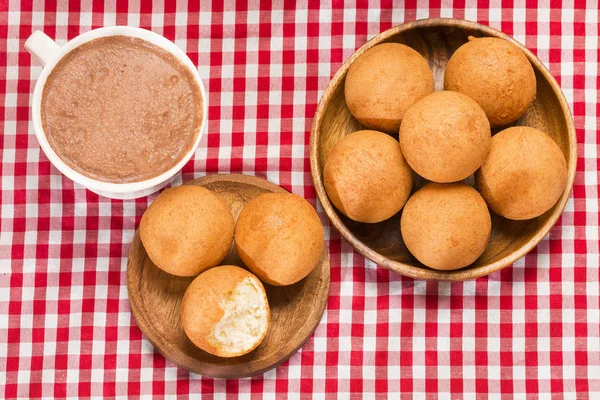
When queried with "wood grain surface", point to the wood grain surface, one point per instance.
{"points": [[436, 40], [155, 298]]}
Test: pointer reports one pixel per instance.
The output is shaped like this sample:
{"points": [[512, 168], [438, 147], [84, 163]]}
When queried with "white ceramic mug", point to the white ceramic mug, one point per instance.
{"points": [[49, 54]]}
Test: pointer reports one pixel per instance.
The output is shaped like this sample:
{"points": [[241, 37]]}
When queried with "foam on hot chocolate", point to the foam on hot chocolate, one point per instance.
{"points": [[120, 109]]}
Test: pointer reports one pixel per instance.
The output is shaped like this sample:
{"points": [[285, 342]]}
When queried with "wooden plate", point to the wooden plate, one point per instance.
{"points": [[155, 299], [436, 40]]}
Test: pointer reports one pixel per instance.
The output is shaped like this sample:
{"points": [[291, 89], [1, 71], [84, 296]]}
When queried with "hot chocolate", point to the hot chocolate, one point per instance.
{"points": [[120, 109]]}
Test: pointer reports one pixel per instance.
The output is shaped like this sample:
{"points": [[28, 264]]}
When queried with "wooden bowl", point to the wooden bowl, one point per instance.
{"points": [[155, 298], [436, 40]]}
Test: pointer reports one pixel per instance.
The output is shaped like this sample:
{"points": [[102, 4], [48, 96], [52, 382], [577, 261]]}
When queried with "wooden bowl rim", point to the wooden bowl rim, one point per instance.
{"points": [[410, 270], [247, 368]]}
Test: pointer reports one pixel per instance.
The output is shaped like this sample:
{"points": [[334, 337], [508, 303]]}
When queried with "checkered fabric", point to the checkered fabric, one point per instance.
{"points": [[531, 330]]}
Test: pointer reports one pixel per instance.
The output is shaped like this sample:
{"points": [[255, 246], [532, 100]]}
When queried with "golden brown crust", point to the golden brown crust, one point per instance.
{"points": [[201, 309], [446, 226], [279, 237], [524, 175], [186, 230], [445, 137], [366, 176], [383, 82], [496, 74]]}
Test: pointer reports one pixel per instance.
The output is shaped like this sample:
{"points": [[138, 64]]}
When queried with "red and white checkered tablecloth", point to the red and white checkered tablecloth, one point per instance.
{"points": [[65, 324]]}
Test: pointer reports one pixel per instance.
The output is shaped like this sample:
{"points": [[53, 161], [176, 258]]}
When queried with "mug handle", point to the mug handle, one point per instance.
{"points": [[41, 47]]}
